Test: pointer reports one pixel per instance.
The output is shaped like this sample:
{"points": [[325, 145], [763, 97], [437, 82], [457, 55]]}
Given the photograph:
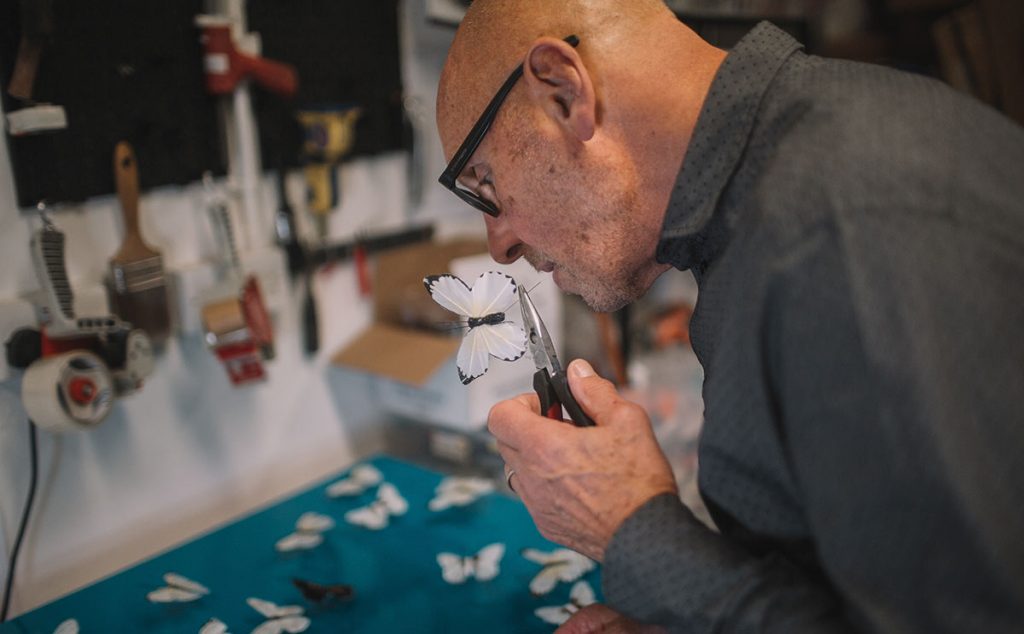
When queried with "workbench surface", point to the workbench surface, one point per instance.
{"points": [[394, 572]]}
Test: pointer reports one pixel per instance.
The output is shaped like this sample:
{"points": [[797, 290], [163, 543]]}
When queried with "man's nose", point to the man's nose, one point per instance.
{"points": [[502, 242]]}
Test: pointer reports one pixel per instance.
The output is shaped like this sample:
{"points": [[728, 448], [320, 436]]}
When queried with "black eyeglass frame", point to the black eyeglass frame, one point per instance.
{"points": [[449, 178]]}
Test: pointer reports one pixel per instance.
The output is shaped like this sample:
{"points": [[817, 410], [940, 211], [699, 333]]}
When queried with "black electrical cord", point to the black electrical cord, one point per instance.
{"points": [[13, 560]]}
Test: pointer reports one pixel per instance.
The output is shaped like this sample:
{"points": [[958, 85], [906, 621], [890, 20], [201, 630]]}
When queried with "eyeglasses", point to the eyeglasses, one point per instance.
{"points": [[476, 136]]}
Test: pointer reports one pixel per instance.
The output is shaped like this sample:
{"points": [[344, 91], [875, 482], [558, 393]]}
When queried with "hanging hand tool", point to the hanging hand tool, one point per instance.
{"points": [[329, 136], [138, 287]]}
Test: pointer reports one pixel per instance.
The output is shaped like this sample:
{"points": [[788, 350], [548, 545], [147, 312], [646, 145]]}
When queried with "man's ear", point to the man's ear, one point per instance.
{"points": [[559, 83]]}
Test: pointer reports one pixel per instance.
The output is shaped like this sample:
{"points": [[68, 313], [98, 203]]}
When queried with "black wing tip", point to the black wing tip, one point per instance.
{"points": [[515, 358], [466, 380]]}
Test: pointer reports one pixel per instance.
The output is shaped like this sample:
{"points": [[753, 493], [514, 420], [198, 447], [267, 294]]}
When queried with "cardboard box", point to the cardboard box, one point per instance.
{"points": [[413, 369]]}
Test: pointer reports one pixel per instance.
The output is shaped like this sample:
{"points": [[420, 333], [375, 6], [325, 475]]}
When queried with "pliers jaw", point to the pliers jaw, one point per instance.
{"points": [[537, 338]]}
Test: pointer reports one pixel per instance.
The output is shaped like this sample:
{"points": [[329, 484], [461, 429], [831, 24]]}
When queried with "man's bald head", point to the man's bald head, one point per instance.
{"points": [[583, 153], [496, 34]]}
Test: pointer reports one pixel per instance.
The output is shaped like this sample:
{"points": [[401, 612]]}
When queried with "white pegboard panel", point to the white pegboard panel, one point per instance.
{"points": [[14, 313]]}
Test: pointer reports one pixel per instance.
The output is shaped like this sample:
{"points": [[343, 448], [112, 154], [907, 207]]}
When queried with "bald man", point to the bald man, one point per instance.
{"points": [[857, 235]]}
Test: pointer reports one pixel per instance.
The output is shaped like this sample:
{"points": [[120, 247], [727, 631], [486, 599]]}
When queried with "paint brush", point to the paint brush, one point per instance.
{"points": [[138, 287]]}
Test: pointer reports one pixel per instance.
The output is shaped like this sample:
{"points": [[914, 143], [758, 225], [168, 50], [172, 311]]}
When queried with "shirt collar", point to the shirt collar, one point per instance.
{"points": [[688, 235]]}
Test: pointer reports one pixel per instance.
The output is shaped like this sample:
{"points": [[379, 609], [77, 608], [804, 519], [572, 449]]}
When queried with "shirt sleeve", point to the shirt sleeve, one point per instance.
{"points": [[663, 566]]}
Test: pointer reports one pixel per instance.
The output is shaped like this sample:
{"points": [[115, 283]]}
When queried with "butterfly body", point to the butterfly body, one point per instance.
{"points": [[487, 320]]}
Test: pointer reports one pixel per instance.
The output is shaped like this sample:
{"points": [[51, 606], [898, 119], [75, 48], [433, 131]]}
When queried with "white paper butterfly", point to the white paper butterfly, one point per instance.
{"points": [[307, 533], [377, 514], [280, 618], [214, 626], [580, 596], [483, 307], [482, 566], [69, 626], [560, 564], [178, 590], [360, 479], [459, 491]]}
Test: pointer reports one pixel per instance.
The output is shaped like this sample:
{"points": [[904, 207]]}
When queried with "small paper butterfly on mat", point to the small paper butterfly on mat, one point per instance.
{"points": [[560, 564], [69, 626], [459, 491], [580, 596], [483, 306], [178, 590], [377, 514], [307, 533], [482, 566], [322, 593], [214, 626], [360, 479], [280, 618]]}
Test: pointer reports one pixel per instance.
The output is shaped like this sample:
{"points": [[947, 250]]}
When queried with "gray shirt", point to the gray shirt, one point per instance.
{"points": [[857, 234]]}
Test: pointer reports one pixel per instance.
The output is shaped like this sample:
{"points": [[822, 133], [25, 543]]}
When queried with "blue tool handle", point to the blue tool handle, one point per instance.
{"points": [[554, 393]]}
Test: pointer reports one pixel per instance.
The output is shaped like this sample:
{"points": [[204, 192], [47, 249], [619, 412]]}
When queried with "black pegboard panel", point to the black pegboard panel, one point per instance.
{"points": [[122, 69], [346, 53]]}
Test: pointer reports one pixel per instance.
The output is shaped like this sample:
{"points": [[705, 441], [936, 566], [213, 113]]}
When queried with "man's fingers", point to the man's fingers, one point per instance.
{"points": [[514, 422], [600, 618], [598, 397]]}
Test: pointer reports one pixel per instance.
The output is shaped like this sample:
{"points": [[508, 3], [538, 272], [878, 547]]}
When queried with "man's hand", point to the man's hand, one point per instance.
{"points": [[598, 618], [581, 483]]}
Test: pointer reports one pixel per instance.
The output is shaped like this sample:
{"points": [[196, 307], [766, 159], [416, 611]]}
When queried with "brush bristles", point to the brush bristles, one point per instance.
{"points": [[132, 277]]}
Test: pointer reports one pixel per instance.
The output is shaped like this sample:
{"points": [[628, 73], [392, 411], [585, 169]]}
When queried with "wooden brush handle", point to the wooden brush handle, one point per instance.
{"points": [[126, 175]]}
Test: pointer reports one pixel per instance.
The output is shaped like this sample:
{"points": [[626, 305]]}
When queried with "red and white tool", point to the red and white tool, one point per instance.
{"points": [[226, 65]]}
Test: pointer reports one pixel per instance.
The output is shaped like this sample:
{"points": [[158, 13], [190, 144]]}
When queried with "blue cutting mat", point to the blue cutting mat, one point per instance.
{"points": [[394, 572]]}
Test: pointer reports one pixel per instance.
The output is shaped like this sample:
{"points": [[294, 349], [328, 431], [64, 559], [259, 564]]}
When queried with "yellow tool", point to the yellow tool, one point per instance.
{"points": [[330, 134]]}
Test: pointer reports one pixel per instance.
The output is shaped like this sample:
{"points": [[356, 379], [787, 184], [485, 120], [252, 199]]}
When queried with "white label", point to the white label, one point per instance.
{"points": [[216, 63]]}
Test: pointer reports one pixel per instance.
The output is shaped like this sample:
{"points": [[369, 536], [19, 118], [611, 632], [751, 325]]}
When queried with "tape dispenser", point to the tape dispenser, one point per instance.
{"points": [[75, 367]]}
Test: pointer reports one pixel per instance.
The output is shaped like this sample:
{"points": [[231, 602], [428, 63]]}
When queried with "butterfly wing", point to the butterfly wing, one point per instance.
{"points": [[373, 517], [451, 293], [172, 595], [294, 624], [493, 292], [582, 594], [488, 561], [459, 491], [271, 610], [314, 523], [392, 499], [554, 614], [178, 581], [361, 478], [537, 556], [70, 626], [290, 624], [574, 565], [298, 541], [453, 569], [506, 341], [544, 581], [473, 358], [212, 626]]}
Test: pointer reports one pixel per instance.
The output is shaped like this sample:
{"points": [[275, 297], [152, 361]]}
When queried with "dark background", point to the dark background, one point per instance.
{"points": [[132, 69]]}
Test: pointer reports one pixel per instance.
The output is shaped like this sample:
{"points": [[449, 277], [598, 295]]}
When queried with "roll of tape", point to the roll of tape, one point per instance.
{"points": [[69, 391]]}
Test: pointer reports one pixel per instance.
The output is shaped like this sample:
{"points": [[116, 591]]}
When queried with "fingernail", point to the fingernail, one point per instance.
{"points": [[581, 369]]}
